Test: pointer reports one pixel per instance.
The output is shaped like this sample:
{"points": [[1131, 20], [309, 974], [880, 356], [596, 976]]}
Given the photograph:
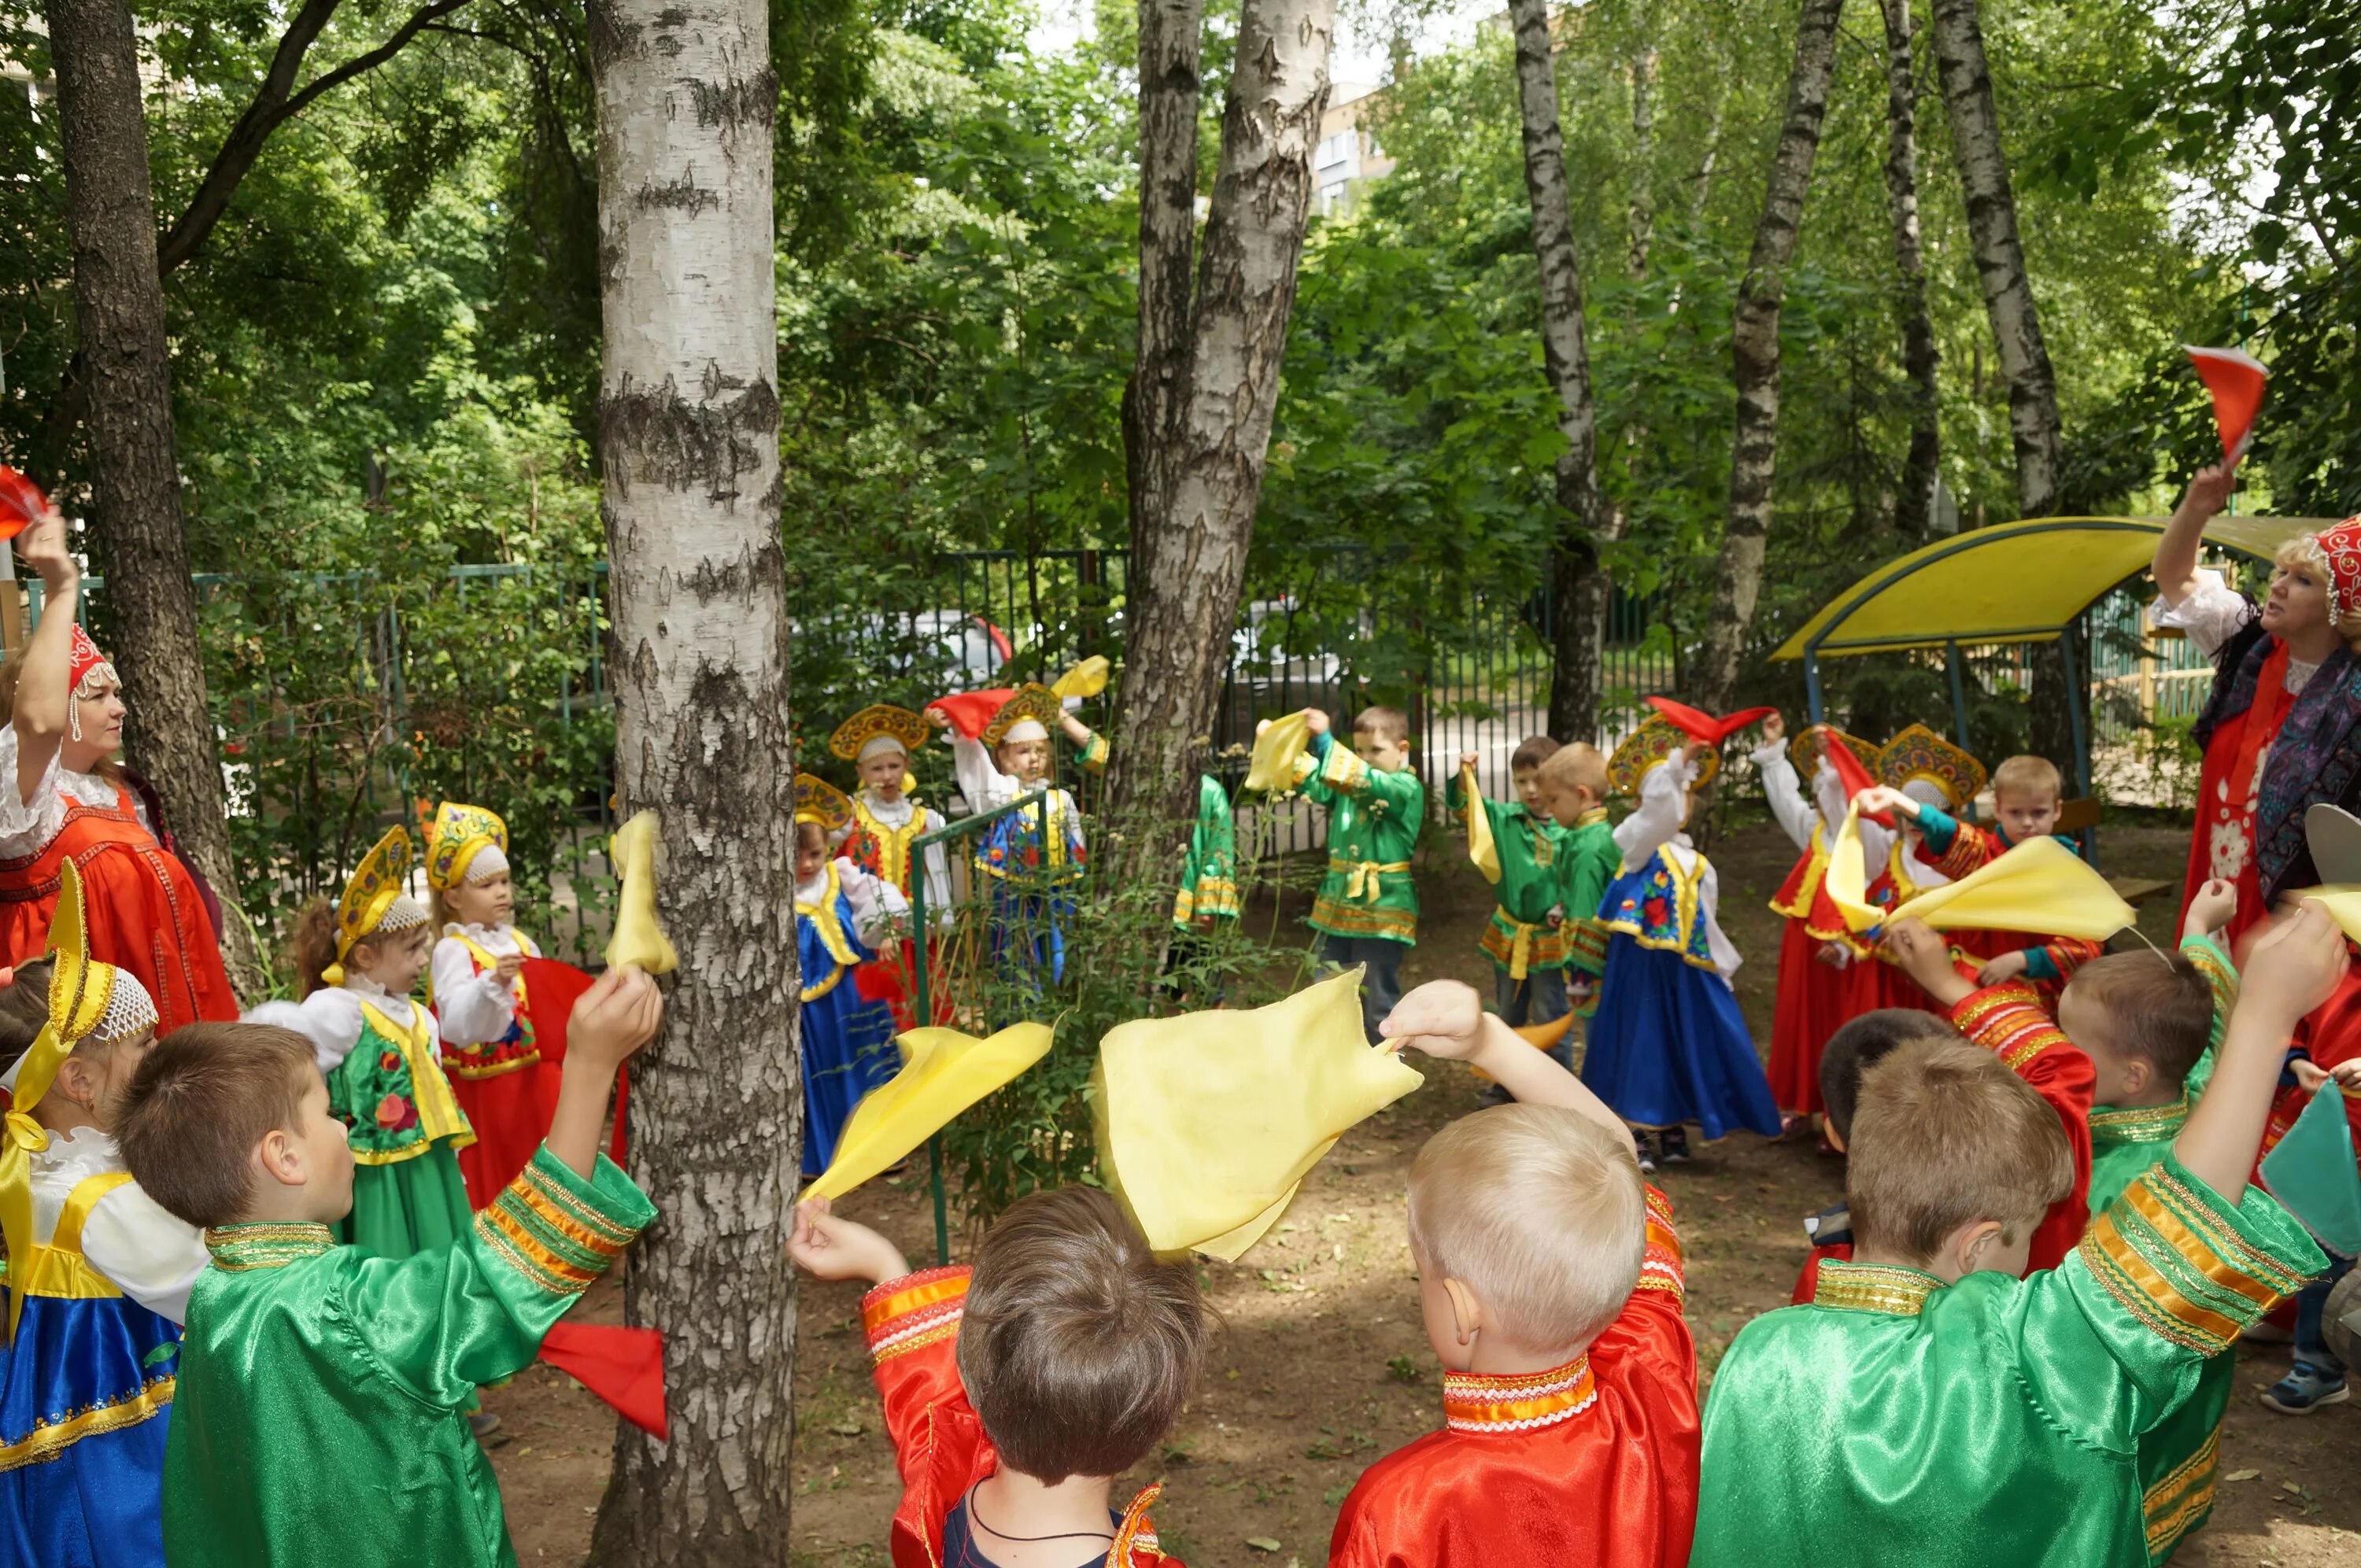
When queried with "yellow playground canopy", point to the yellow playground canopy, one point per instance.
{"points": [[2014, 582]]}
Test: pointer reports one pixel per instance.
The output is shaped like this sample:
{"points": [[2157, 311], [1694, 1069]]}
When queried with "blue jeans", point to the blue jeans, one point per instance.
{"points": [[1539, 998], [2310, 1346], [1381, 985]]}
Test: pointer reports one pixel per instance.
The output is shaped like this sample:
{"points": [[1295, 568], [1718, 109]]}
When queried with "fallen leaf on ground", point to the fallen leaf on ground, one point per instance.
{"points": [[2241, 1475]]}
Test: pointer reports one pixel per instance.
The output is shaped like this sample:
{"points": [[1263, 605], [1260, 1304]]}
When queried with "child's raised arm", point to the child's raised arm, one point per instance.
{"points": [[615, 1017], [2294, 968], [1444, 1018]]}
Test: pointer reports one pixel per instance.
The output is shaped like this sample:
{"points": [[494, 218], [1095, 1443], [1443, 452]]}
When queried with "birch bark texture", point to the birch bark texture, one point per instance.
{"points": [[2033, 426], [1578, 579], [1914, 506], [689, 418], [135, 535], [1754, 351], [1197, 413]]}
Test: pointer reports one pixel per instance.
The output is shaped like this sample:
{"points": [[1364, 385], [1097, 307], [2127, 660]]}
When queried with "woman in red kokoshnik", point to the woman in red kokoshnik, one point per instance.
{"points": [[70, 801]]}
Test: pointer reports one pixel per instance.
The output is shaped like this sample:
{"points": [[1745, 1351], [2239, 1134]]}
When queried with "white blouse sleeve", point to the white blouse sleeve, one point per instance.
{"points": [[37, 819], [155, 1257], [938, 875], [2211, 615], [1717, 940], [1789, 805], [983, 784], [470, 1008], [877, 904], [1656, 821], [330, 1018]]}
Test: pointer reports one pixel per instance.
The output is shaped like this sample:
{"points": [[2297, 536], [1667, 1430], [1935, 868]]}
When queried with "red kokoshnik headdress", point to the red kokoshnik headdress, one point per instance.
{"points": [[2339, 552], [84, 662]]}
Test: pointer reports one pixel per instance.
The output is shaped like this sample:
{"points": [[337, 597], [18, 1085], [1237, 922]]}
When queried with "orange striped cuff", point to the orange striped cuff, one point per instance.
{"points": [[551, 1233], [1660, 1260], [2179, 1265], [917, 1308], [2008, 1021]]}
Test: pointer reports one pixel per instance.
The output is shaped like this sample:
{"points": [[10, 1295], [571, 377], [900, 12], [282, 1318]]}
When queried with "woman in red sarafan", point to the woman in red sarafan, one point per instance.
{"points": [[147, 911]]}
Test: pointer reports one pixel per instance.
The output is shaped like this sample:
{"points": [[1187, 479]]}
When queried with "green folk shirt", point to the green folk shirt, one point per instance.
{"points": [[2180, 1458], [1992, 1421], [1588, 860], [322, 1410], [1373, 822], [1519, 938], [1209, 876]]}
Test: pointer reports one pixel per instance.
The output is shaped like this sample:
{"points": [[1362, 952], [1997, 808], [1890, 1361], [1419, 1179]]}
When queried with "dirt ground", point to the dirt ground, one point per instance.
{"points": [[1322, 1364]]}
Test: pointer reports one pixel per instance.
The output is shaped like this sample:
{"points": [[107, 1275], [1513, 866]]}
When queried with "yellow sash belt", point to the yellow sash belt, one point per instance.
{"points": [[1364, 879], [1521, 949]]}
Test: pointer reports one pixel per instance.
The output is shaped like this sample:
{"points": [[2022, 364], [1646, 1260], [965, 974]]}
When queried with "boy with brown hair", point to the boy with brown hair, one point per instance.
{"points": [[1931, 1402], [321, 1413], [1018, 1390], [1570, 786], [2028, 795], [1367, 909], [1549, 1280], [1526, 947]]}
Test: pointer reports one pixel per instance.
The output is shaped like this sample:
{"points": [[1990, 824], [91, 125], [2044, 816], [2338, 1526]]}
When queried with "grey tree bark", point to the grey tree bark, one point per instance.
{"points": [[1915, 504], [1197, 413], [1578, 581], [1754, 347], [688, 428], [2033, 422], [137, 539]]}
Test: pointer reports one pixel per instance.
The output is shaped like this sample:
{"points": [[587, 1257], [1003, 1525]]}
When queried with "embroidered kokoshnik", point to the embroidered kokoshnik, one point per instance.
{"points": [[1473, 1402]]}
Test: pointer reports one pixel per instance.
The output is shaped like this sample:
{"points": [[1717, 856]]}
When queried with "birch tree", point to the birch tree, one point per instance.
{"points": [[1578, 578], [689, 439], [1914, 508], [1754, 350], [1197, 412]]}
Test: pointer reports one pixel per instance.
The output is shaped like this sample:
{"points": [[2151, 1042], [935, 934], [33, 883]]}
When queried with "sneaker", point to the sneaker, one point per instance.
{"points": [[483, 1423], [1676, 1146], [1646, 1144], [2305, 1390]]}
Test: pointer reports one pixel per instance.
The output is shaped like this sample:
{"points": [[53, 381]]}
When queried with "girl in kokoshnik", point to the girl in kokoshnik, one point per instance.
{"points": [[483, 1012], [99, 1273], [886, 821], [1029, 859], [847, 926], [148, 914], [2282, 729], [356, 965]]}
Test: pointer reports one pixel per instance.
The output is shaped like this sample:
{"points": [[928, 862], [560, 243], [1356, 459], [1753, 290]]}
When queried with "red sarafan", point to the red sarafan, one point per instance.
{"points": [[21, 502]]}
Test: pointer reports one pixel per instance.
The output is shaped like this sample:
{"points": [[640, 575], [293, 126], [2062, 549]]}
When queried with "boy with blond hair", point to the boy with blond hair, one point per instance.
{"points": [[1931, 1407], [1570, 786], [1018, 1390], [2028, 795], [1367, 909], [322, 1410], [1549, 1280], [1526, 947]]}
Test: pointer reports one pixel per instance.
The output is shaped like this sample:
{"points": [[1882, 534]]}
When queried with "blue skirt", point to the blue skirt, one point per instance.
{"points": [[848, 1046], [1670, 1045], [84, 1365]]}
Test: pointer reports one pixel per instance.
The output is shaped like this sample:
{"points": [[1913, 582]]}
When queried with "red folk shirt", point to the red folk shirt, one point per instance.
{"points": [[1594, 1463], [939, 1446], [2009, 1021]]}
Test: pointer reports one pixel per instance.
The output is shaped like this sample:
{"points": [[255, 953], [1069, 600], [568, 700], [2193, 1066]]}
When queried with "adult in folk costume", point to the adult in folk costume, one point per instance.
{"points": [[2282, 729], [70, 802]]}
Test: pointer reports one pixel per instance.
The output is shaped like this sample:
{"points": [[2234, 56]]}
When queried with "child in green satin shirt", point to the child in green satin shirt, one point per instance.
{"points": [[1526, 946], [1933, 1402], [1571, 785], [1367, 909], [321, 1411]]}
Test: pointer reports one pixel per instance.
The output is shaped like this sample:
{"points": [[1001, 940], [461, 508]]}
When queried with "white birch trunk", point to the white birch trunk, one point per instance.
{"points": [[689, 420], [1914, 509]]}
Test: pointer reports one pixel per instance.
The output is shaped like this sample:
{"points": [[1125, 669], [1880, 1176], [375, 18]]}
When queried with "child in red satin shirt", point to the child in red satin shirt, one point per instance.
{"points": [[1016, 1391], [1550, 1277]]}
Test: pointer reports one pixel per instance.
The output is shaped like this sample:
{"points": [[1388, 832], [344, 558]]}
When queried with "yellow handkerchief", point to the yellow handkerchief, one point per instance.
{"points": [[1847, 877], [639, 937], [1480, 848], [1208, 1122], [2040, 886], [2342, 904], [943, 1073], [1277, 745], [1086, 679]]}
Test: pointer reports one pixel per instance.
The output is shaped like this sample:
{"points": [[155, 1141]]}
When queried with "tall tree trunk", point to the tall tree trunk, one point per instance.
{"points": [[150, 602], [1914, 510], [1578, 580], [1199, 408], [2033, 421], [689, 439], [1643, 224], [1754, 347]]}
